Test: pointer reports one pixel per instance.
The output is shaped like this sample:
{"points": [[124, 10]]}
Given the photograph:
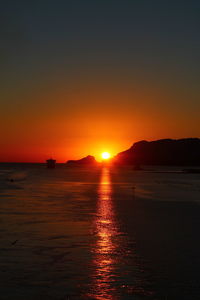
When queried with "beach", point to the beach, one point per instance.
{"points": [[101, 233]]}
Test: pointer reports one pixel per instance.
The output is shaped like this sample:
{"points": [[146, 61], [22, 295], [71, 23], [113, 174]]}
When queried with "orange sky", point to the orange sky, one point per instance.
{"points": [[69, 121], [83, 77]]}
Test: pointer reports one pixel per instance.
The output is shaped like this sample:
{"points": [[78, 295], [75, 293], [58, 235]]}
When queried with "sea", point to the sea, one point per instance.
{"points": [[102, 233]]}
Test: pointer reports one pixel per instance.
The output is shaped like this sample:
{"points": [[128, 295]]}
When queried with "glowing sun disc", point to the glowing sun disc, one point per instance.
{"points": [[105, 155]]}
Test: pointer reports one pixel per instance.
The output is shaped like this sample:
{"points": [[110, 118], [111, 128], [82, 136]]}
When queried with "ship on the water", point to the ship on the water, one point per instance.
{"points": [[51, 163]]}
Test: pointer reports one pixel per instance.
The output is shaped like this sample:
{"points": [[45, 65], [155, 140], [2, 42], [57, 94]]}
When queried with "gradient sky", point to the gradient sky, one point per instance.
{"points": [[81, 77]]}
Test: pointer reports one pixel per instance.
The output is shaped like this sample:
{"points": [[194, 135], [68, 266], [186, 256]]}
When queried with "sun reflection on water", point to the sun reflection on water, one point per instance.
{"points": [[105, 248]]}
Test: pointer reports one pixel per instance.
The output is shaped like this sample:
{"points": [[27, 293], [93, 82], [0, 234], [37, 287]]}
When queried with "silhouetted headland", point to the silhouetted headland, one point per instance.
{"points": [[161, 152], [88, 160]]}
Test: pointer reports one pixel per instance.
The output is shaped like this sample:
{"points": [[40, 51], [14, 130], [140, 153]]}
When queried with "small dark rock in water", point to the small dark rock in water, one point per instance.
{"points": [[13, 243]]}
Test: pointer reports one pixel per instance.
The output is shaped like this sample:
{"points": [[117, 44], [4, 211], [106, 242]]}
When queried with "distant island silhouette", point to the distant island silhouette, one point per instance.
{"points": [[159, 152], [88, 160]]}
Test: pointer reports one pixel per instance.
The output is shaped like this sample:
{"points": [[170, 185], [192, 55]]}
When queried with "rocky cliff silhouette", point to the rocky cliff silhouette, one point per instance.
{"points": [[162, 152]]}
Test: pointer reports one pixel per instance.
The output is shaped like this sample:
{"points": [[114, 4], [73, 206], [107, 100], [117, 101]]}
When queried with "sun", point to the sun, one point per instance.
{"points": [[105, 155]]}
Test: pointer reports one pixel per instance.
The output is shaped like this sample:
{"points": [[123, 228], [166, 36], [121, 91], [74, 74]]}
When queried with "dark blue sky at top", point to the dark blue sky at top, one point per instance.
{"points": [[137, 38]]}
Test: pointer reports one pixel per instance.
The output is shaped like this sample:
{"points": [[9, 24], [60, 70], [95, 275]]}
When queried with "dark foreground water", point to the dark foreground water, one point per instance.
{"points": [[102, 233]]}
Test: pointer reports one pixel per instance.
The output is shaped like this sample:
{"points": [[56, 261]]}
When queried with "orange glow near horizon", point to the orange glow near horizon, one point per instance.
{"points": [[71, 122]]}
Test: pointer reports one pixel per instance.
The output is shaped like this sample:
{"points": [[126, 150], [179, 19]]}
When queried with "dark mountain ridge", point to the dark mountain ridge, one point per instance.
{"points": [[162, 152]]}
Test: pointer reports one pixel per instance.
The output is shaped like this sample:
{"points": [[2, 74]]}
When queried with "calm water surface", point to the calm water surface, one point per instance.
{"points": [[102, 233], [111, 251]]}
